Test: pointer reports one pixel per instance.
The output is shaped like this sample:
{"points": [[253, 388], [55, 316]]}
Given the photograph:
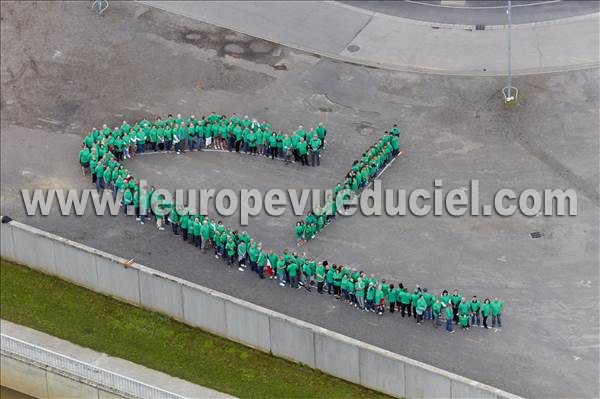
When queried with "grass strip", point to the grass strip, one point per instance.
{"points": [[104, 324]]}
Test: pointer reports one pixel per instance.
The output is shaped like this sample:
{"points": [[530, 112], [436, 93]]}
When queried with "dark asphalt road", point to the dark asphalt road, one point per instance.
{"points": [[59, 79], [480, 12]]}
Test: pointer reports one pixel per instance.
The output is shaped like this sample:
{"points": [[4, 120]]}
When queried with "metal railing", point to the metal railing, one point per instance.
{"points": [[78, 370]]}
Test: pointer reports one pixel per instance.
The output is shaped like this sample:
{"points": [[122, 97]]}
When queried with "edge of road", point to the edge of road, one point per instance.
{"points": [[405, 67], [441, 25]]}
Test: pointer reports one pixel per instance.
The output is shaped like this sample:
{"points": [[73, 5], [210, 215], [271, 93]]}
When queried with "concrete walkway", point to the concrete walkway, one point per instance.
{"points": [[356, 35], [116, 365]]}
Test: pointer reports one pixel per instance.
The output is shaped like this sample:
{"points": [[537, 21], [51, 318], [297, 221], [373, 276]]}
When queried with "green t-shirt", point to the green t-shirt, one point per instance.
{"points": [[464, 320], [405, 297], [84, 156], [496, 307], [302, 148], [315, 144], [392, 296], [455, 299], [292, 269], [437, 308], [320, 272], [485, 309], [464, 308]]}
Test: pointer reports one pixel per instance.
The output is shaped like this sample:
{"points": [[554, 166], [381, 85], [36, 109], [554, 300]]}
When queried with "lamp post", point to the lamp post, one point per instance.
{"points": [[509, 92]]}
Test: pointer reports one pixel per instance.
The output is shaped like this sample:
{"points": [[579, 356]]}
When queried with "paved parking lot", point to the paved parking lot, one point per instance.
{"points": [[59, 79]]}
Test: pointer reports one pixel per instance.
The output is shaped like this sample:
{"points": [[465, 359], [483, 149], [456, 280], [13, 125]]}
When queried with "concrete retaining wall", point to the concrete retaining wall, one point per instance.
{"points": [[235, 319]]}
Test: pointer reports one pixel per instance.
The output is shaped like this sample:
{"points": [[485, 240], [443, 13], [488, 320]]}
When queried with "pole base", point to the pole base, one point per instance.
{"points": [[510, 94]]}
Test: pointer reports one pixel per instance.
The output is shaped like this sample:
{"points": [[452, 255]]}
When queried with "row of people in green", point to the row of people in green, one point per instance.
{"points": [[289, 268], [354, 287], [214, 131], [363, 172]]}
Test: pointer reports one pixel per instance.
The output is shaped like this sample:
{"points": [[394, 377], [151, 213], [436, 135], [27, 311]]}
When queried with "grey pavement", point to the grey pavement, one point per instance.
{"points": [[362, 36], [65, 70], [110, 363]]}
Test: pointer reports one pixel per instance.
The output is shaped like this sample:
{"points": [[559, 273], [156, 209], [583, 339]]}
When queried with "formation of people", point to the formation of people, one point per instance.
{"points": [[102, 156], [364, 170], [214, 131]]}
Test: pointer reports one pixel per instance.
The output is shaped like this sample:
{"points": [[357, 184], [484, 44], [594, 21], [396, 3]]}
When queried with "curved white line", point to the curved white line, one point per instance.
{"points": [[481, 7]]}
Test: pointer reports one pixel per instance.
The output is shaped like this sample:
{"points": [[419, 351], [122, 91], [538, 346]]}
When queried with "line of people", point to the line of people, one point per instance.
{"points": [[239, 249], [217, 132], [364, 170]]}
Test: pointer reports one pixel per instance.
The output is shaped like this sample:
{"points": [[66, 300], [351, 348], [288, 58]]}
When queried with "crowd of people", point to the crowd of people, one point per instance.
{"points": [[102, 155], [214, 131], [364, 170]]}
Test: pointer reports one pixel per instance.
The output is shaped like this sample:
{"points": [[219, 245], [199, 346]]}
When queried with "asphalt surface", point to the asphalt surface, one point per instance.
{"points": [[480, 12], [65, 70]]}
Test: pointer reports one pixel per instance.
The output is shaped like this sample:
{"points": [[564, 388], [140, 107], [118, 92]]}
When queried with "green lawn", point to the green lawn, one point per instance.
{"points": [[104, 324]]}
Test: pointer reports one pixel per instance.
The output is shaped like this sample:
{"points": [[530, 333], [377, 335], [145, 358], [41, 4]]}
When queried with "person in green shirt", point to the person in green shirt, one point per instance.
{"points": [[445, 298], [152, 137], [413, 301], [370, 297], [260, 261], [205, 232], [169, 133], [251, 141], [315, 149], [475, 311], [230, 248], [351, 288], [420, 308], [337, 281], [184, 220], [496, 307], [428, 301], [253, 255], [405, 300], [307, 273], [242, 251], [436, 308], [84, 158], [218, 244], [173, 218], [449, 319], [485, 311], [281, 270], [329, 272], [272, 146], [292, 270], [320, 277], [197, 227], [310, 231], [127, 200], [299, 233], [464, 307], [392, 298], [359, 288], [272, 264], [379, 300], [464, 321], [344, 288], [321, 133], [106, 177], [455, 300], [140, 140], [302, 148]]}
